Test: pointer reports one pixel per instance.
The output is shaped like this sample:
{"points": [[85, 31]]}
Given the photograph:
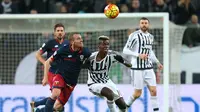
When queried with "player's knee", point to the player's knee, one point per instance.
{"points": [[153, 92], [137, 94], [110, 96], [55, 93]]}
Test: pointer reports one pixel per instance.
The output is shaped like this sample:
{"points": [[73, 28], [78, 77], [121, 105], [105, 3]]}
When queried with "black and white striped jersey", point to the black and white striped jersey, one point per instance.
{"points": [[98, 70], [140, 43]]}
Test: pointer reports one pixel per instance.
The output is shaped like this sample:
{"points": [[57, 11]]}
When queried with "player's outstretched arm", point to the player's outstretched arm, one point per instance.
{"points": [[122, 60]]}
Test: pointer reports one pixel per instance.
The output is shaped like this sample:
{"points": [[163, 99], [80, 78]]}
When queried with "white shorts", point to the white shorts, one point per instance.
{"points": [[142, 77], [97, 87]]}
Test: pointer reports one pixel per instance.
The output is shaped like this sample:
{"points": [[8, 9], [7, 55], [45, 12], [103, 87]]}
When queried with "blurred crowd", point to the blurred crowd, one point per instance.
{"points": [[182, 12]]}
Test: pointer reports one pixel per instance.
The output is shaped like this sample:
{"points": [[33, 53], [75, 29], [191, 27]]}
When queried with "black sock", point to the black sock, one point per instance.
{"points": [[40, 110], [41, 102], [49, 105]]}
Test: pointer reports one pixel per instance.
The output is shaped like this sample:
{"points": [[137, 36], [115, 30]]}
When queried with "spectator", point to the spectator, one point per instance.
{"points": [[183, 12], [40, 5], [194, 20], [160, 6], [123, 8], [191, 36], [7, 7], [33, 11], [63, 9], [137, 7], [83, 7]]}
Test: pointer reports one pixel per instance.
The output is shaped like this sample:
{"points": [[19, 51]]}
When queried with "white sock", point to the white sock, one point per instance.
{"points": [[130, 101], [154, 103], [111, 106]]}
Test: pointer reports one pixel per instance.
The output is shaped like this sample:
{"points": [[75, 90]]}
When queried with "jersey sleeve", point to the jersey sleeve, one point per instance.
{"points": [[129, 48], [113, 55], [152, 55], [44, 47], [87, 53], [57, 54]]}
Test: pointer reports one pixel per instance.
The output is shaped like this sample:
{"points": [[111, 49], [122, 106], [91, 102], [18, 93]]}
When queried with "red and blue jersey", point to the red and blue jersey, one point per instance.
{"points": [[67, 63], [51, 46]]}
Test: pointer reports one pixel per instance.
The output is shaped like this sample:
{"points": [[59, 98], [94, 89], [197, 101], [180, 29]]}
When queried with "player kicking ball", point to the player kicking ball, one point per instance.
{"points": [[99, 82], [65, 64], [139, 46]]}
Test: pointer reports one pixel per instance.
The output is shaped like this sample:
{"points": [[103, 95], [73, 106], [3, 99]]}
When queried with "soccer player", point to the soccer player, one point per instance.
{"points": [[139, 46], [99, 82], [65, 64], [50, 47]]}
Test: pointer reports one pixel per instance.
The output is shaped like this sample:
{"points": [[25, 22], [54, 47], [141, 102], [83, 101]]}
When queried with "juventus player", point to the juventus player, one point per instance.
{"points": [[99, 82], [139, 46]]}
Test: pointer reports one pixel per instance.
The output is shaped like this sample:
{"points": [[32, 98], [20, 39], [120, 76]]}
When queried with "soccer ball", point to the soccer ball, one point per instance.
{"points": [[111, 11]]}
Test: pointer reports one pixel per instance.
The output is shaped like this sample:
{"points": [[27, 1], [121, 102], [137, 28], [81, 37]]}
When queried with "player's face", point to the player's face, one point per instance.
{"points": [[78, 41], [59, 33], [104, 46], [144, 25]]}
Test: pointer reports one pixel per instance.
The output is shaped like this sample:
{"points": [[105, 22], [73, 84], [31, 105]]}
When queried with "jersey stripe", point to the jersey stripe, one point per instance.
{"points": [[98, 71], [144, 46]]}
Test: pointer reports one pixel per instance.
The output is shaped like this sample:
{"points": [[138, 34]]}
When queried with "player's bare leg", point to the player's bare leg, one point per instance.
{"points": [[110, 98], [50, 102], [121, 104], [137, 93], [154, 102]]}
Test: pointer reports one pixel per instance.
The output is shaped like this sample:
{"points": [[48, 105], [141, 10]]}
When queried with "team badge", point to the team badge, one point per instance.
{"points": [[81, 57], [56, 82]]}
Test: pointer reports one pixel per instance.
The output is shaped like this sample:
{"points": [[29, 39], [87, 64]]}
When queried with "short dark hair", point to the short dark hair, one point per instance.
{"points": [[144, 18], [102, 38], [70, 37], [58, 25]]}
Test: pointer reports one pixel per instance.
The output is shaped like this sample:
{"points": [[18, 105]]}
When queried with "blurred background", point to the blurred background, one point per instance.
{"points": [[21, 38]]}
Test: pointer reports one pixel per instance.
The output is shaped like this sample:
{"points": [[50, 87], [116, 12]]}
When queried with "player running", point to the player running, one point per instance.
{"points": [[50, 47], [99, 82]]}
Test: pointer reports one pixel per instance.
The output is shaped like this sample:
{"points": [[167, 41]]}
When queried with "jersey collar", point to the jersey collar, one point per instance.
{"points": [[79, 51]]}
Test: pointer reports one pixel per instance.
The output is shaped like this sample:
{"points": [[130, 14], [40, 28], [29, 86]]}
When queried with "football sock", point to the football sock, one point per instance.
{"points": [[111, 106], [49, 105], [154, 103], [130, 101], [41, 102], [40, 110]]}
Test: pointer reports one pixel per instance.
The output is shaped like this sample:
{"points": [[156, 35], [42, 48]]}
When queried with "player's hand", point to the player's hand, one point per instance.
{"points": [[143, 56], [160, 66], [44, 81]]}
